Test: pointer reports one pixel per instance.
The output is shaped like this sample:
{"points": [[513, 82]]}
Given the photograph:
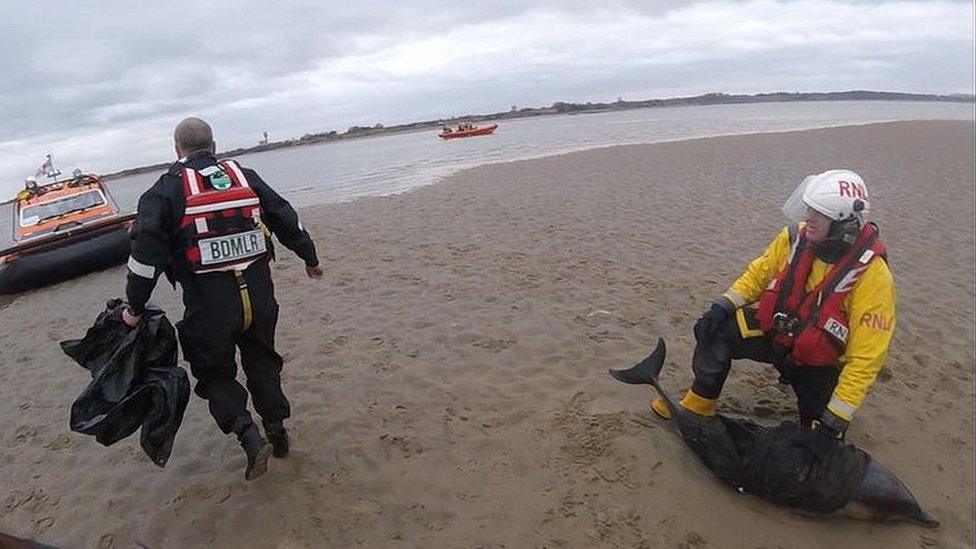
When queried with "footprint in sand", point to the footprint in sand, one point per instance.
{"points": [[24, 434], [333, 344], [58, 442], [693, 540], [604, 335], [493, 345], [407, 445]]}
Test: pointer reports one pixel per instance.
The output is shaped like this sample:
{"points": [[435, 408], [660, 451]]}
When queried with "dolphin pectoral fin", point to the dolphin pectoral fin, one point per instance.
{"points": [[646, 371]]}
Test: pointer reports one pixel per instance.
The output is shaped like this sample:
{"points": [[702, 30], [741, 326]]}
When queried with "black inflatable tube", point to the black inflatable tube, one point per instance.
{"points": [[76, 258]]}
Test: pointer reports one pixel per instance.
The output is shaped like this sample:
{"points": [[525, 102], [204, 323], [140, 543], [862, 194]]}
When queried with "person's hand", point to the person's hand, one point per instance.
{"points": [[709, 324], [830, 425], [314, 272], [130, 319], [826, 436], [823, 442]]}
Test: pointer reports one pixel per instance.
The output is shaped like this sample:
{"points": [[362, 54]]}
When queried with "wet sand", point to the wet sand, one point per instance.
{"points": [[448, 377]]}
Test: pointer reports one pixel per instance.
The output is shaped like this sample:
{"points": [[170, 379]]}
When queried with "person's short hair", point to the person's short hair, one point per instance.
{"points": [[193, 134]]}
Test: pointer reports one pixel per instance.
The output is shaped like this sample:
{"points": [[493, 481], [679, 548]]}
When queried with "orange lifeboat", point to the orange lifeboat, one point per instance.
{"points": [[62, 230], [470, 132]]}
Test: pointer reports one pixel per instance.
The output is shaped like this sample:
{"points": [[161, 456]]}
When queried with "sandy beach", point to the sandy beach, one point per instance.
{"points": [[448, 376]]}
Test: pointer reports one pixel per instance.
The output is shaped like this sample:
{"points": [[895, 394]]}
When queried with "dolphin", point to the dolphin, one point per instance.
{"points": [[830, 477], [10, 542]]}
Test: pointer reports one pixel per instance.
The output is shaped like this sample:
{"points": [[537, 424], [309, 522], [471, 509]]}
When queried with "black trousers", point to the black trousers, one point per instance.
{"points": [[713, 360], [212, 330]]}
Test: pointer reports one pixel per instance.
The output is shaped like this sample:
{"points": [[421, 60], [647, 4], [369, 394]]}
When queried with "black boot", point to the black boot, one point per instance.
{"points": [[278, 437], [258, 452]]}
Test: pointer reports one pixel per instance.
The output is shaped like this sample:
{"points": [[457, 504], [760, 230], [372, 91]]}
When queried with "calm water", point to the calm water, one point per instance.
{"points": [[342, 171]]}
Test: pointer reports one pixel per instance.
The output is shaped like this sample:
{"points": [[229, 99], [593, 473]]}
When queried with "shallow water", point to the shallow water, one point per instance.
{"points": [[341, 171]]}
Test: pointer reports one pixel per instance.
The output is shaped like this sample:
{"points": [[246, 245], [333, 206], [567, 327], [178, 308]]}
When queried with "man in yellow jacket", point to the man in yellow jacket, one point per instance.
{"points": [[818, 304]]}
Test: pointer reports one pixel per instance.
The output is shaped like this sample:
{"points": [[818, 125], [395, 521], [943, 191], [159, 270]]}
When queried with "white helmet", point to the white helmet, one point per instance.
{"points": [[840, 195]]}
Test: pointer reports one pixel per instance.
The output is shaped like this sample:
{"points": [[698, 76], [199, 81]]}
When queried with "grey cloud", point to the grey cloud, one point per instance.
{"points": [[88, 68]]}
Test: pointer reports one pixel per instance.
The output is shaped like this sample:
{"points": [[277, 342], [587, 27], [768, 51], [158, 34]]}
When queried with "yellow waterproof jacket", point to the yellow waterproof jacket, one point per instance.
{"points": [[870, 310]]}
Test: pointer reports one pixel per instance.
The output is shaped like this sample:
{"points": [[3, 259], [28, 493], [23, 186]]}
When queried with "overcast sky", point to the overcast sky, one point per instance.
{"points": [[102, 84]]}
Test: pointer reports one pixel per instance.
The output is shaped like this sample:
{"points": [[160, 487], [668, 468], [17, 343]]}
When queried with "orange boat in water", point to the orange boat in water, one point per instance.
{"points": [[62, 230], [468, 131]]}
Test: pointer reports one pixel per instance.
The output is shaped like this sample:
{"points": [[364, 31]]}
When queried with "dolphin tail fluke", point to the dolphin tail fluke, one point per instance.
{"points": [[646, 371]]}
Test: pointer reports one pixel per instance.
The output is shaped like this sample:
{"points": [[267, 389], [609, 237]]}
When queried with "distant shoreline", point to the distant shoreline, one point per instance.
{"points": [[559, 107]]}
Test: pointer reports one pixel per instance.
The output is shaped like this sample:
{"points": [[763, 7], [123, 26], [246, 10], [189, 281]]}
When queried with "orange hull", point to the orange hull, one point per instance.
{"points": [[483, 130]]}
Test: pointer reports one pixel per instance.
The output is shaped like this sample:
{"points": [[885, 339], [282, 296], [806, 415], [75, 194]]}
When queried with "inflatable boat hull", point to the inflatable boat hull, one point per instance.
{"points": [[84, 254]]}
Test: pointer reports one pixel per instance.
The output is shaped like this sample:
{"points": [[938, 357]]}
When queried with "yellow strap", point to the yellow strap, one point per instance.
{"points": [[245, 299], [744, 330]]}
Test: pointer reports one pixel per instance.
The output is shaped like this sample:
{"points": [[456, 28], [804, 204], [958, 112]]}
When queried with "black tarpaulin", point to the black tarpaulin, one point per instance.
{"points": [[135, 381], [788, 464], [792, 465]]}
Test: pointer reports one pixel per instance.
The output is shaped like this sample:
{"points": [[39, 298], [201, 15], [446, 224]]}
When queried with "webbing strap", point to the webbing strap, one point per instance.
{"points": [[245, 300], [786, 287], [834, 276]]}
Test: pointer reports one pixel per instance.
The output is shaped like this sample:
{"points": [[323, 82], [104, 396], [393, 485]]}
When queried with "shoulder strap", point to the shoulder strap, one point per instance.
{"points": [[797, 249], [862, 251], [233, 169], [192, 181]]}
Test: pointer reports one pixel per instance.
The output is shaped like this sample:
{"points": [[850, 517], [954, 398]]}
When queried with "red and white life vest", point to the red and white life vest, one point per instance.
{"points": [[819, 334], [221, 228]]}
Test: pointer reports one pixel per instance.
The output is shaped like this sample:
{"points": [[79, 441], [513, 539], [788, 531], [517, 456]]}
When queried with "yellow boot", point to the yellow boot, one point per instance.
{"points": [[691, 402], [659, 407]]}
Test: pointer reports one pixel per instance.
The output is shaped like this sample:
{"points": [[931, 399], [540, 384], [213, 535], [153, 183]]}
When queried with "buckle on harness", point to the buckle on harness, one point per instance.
{"points": [[785, 324]]}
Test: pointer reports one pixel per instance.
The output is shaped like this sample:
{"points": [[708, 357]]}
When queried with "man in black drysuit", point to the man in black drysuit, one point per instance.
{"points": [[207, 226]]}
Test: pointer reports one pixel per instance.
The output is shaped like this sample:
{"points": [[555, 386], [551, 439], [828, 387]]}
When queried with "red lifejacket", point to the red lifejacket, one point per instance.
{"points": [[817, 325], [221, 228]]}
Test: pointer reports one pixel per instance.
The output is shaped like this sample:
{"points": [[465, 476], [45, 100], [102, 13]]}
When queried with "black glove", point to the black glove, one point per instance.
{"points": [[831, 426], [711, 322], [828, 432]]}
